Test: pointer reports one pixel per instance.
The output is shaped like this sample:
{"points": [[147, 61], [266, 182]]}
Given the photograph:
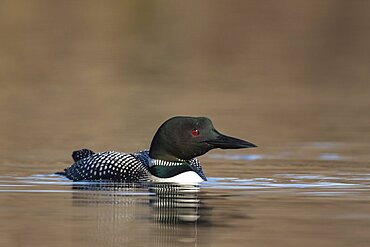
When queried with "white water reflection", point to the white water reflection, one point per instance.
{"points": [[261, 183], [53, 183]]}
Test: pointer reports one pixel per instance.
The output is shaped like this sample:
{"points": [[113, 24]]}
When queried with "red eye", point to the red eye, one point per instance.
{"points": [[195, 132]]}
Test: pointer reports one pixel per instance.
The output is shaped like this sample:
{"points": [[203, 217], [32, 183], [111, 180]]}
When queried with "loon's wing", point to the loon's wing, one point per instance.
{"points": [[81, 154], [143, 156], [110, 165]]}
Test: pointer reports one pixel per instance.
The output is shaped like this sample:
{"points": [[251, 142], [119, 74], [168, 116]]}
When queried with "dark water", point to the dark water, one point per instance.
{"points": [[291, 76]]}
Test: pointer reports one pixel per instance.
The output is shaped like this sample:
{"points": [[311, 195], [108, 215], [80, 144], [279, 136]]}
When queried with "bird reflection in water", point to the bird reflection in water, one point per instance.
{"points": [[162, 214], [175, 203]]}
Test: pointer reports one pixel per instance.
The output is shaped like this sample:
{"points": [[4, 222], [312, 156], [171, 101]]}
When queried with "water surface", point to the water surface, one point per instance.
{"points": [[264, 202]]}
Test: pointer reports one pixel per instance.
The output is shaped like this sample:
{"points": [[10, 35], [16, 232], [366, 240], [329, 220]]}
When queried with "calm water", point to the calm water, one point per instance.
{"points": [[259, 200], [290, 76]]}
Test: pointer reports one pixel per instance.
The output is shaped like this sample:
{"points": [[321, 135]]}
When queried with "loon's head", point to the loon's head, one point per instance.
{"points": [[184, 138]]}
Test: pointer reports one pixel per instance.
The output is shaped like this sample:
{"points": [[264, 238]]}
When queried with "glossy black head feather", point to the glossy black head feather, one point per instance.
{"points": [[184, 138]]}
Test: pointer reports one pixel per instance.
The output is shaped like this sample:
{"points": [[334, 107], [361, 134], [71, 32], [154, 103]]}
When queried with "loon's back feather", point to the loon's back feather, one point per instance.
{"points": [[81, 154], [108, 166]]}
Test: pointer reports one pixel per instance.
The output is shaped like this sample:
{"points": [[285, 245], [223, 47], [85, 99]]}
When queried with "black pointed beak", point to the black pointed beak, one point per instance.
{"points": [[228, 142]]}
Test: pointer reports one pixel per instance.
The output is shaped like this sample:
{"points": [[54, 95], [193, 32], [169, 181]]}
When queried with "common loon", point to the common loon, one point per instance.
{"points": [[171, 157]]}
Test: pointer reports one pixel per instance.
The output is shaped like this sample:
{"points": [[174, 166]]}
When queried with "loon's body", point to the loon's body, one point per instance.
{"points": [[129, 167], [171, 157]]}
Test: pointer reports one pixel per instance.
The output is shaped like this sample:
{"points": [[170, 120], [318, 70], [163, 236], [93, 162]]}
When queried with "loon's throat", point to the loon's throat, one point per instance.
{"points": [[167, 169]]}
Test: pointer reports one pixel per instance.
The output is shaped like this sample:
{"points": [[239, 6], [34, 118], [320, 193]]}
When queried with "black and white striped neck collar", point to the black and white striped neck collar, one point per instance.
{"points": [[156, 162]]}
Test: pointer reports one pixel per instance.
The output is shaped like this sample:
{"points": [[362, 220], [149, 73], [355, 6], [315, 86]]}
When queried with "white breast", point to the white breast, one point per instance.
{"points": [[188, 177]]}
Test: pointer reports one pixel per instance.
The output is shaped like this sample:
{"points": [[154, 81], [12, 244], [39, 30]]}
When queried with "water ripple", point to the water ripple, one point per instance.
{"points": [[339, 184]]}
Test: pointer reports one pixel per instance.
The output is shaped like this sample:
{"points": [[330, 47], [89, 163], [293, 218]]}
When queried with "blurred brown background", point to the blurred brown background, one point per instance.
{"points": [[105, 74]]}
